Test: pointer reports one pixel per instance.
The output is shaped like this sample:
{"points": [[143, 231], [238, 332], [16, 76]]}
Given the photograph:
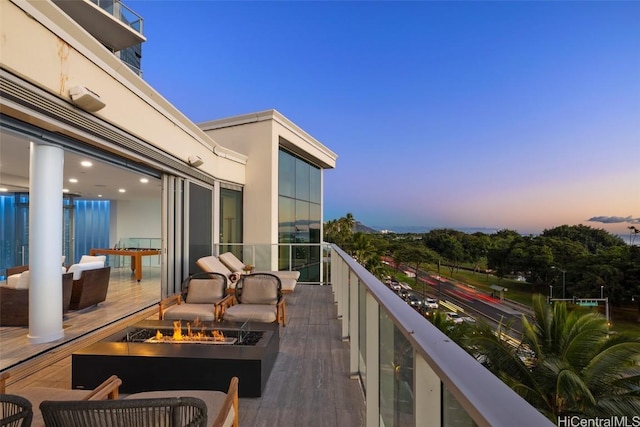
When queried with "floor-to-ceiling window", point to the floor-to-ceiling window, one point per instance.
{"points": [[14, 231], [200, 224], [231, 221], [85, 225], [299, 216]]}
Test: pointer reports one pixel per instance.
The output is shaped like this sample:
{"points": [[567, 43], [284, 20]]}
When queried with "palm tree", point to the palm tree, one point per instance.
{"points": [[348, 222], [633, 231], [362, 248], [578, 368]]}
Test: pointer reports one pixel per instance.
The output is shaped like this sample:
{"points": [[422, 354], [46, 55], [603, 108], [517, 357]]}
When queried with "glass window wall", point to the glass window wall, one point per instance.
{"points": [[230, 221], [300, 216]]}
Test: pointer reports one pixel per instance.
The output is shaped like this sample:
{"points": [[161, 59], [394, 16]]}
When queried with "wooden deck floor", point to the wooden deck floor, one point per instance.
{"points": [[309, 384]]}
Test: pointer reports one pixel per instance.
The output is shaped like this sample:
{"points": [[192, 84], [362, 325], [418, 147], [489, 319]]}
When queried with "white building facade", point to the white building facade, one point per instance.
{"points": [[207, 185]]}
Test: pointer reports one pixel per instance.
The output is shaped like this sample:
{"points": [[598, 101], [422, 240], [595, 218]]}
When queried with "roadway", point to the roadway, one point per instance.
{"points": [[468, 301]]}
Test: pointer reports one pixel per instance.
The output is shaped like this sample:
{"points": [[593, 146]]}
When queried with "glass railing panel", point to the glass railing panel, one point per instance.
{"points": [[122, 12], [416, 361], [396, 376], [131, 18], [453, 414], [362, 331], [326, 264]]}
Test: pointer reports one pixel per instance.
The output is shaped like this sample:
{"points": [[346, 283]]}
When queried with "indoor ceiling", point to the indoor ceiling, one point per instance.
{"points": [[101, 181]]}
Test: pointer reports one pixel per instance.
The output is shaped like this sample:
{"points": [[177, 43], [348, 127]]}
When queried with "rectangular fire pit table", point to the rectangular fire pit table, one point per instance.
{"points": [[145, 366]]}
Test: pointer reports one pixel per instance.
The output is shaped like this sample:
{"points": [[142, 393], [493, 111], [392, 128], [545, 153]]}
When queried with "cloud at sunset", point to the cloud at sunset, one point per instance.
{"points": [[614, 219]]}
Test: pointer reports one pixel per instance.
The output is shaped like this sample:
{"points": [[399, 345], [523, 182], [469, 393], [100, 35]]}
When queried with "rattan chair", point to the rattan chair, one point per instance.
{"points": [[202, 298], [15, 411], [222, 407], [161, 412], [258, 298]]}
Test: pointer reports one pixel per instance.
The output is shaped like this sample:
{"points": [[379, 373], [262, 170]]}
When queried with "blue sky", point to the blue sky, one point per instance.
{"points": [[519, 115]]}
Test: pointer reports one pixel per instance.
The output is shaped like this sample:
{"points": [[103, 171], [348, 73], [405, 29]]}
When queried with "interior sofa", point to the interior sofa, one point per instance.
{"points": [[90, 281], [90, 284]]}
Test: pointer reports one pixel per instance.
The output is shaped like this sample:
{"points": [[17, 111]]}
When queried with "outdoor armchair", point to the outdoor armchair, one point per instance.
{"points": [[221, 407], [15, 411], [108, 389], [159, 412], [203, 297], [258, 298]]}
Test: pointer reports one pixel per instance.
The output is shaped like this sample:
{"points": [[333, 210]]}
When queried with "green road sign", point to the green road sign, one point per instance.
{"points": [[588, 303]]}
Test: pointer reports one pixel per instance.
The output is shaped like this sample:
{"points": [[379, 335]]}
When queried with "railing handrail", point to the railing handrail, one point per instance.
{"points": [[487, 399]]}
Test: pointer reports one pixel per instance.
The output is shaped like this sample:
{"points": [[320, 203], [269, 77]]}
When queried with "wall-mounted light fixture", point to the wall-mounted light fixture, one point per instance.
{"points": [[85, 98], [195, 161]]}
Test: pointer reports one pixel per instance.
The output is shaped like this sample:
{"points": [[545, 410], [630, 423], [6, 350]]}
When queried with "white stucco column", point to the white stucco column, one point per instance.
{"points": [[45, 243]]}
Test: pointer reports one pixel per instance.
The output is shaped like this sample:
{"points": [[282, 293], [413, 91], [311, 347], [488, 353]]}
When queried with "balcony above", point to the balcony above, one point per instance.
{"points": [[111, 22]]}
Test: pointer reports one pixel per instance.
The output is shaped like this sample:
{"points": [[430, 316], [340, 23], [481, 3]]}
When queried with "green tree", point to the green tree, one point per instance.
{"points": [[416, 255]]}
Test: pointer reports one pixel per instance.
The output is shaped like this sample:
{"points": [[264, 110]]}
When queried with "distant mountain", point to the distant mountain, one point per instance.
{"points": [[361, 228], [426, 229]]}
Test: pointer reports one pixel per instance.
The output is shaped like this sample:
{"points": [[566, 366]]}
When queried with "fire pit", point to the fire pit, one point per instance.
{"points": [[163, 355], [202, 336]]}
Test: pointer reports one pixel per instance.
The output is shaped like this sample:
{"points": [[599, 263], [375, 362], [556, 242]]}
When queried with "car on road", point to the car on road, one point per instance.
{"points": [[430, 303], [395, 285], [414, 301], [454, 317], [468, 319], [404, 293]]}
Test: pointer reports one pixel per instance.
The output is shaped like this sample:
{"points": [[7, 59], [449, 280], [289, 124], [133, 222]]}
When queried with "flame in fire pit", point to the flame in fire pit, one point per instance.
{"points": [[201, 336]]}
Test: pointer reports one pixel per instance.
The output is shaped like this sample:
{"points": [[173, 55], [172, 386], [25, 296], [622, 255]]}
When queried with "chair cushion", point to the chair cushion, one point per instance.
{"points": [[12, 281], [211, 263], [213, 400], [203, 312], [205, 291], [77, 269], [253, 312], [259, 290], [23, 280], [93, 258], [288, 285], [231, 261], [283, 274]]}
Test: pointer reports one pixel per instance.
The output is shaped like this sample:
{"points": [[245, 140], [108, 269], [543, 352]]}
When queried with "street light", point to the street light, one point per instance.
{"points": [[563, 282], [601, 291]]}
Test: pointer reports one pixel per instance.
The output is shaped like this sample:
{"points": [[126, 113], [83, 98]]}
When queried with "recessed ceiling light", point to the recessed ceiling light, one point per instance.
{"points": [[73, 180], [86, 163], [3, 190], [99, 195], [65, 190], [144, 180], [122, 190]]}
